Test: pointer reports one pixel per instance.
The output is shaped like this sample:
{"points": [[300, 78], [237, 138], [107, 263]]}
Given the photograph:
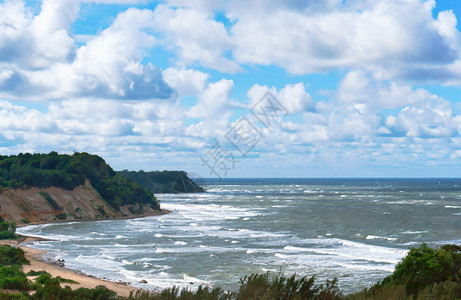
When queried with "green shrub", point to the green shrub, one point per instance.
{"points": [[11, 277], [7, 235], [12, 256], [424, 273], [7, 230], [424, 266], [269, 286], [35, 273], [43, 277], [52, 289]]}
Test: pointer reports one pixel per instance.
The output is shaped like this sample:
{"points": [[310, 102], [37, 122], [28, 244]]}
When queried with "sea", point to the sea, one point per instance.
{"points": [[356, 230]]}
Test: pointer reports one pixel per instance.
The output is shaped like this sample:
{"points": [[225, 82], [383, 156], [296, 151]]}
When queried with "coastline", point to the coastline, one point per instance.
{"points": [[158, 213], [37, 263]]}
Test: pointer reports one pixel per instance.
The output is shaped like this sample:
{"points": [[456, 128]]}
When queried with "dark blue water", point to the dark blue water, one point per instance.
{"points": [[353, 229]]}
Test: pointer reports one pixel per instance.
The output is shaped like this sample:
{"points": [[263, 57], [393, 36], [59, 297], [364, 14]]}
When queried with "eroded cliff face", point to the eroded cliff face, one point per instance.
{"points": [[36, 205]]}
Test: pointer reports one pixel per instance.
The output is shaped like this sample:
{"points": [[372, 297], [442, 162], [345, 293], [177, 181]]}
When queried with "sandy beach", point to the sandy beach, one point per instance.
{"points": [[85, 281], [38, 264]]}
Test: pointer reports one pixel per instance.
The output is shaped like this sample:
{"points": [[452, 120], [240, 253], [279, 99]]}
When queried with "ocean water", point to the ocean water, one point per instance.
{"points": [[353, 229]]}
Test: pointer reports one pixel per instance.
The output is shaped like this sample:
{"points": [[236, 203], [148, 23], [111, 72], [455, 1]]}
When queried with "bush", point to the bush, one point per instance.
{"points": [[268, 286], [424, 266], [52, 289], [12, 256], [255, 286], [7, 230], [35, 273], [13, 278], [424, 273]]}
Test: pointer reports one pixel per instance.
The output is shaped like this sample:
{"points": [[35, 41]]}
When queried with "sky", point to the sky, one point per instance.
{"points": [[243, 88]]}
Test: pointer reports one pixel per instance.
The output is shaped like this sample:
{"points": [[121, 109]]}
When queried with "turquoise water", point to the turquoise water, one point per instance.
{"points": [[356, 230]]}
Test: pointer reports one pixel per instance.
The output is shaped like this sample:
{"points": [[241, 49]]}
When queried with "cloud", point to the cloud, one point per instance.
{"points": [[124, 2], [430, 119], [391, 39], [293, 96], [49, 66], [382, 32], [212, 110], [39, 41], [213, 102], [101, 94], [16, 119], [186, 82], [359, 86], [399, 39], [195, 37]]}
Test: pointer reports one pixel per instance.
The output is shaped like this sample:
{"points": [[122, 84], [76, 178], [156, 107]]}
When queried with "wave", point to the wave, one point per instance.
{"points": [[414, 232], [374, 237], [452, 206]]}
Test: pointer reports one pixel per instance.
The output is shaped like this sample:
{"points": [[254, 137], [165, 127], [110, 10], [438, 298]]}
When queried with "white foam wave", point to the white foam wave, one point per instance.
{"points": [[374, 237], [349, 250], [414, 232], [194, 280], [209, 212]]}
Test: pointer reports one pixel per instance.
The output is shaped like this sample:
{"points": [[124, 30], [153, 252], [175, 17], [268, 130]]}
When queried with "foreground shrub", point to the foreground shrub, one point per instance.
{"points": [[255, 286], [7, 230], [424, 266], [175, 293], [12, 256], [52, 290], [425, 273], [12, 278], [268, 286]]}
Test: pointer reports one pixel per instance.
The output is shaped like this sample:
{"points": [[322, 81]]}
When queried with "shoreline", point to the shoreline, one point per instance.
{"points": [[161, 212], [38, 263]]}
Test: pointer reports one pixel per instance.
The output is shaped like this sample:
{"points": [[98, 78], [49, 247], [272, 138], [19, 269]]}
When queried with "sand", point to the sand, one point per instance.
{"points": [[37, 263], [85, 281]]}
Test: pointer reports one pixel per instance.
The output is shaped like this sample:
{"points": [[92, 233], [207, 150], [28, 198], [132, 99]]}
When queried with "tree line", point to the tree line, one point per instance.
{"points": [[163, 181], [69, 171]]}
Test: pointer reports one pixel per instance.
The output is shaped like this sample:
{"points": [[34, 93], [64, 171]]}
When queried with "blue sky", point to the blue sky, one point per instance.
{"points": [[362, 88]]}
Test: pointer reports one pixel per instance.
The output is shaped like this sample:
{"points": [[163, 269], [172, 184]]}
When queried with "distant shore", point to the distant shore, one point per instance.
{"points": [[37, 263]]}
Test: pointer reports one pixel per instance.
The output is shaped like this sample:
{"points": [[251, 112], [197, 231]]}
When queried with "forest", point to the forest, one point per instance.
{"points": [[27, 170], [163, 181]]}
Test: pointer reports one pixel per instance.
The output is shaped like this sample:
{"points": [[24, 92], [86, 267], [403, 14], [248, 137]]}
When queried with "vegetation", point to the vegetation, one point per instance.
{"points": [[11, 275], [7, 230], [267, 286], [163, 181], [69, 171], [44, 287], [10, 256], [425, 273]]}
